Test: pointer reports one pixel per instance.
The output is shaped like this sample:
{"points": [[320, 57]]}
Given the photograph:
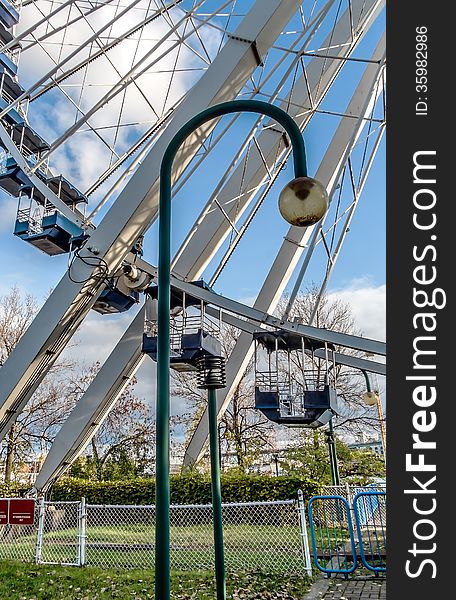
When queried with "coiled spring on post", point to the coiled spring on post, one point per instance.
{"points": [[211, 372]]}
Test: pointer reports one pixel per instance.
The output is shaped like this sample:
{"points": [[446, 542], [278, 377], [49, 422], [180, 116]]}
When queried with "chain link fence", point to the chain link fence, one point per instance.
{"points": [[271, 536]]}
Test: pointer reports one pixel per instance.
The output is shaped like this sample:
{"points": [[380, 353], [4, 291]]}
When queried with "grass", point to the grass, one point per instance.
{"points": [[21, 581], [123, 545]]}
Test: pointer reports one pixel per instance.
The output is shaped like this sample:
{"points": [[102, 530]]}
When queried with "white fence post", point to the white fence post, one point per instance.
{"points": [[348, 493], [82, 536], [304, 535], [39, 537]]}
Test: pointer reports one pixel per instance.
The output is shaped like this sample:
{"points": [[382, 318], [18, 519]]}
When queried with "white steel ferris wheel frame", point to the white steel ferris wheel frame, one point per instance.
{"points": [[136, 207]]}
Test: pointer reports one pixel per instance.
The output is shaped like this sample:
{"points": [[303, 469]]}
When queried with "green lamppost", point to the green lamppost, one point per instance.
{"points": [[302, 202]]}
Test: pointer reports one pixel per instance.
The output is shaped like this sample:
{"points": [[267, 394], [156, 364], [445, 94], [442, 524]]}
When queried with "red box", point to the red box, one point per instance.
{"points": [[21, 511], [4, 512]]}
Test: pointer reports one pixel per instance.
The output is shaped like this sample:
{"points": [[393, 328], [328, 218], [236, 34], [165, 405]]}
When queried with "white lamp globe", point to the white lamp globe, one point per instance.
{"points": [[370, 398], [303, 201]]}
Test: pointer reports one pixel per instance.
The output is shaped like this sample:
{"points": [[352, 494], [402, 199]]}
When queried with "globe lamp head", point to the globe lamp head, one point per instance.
{"points": [[303, 201], [370, 398]]}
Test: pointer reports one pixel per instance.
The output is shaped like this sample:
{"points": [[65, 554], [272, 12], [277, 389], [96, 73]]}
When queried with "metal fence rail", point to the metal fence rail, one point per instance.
{"points": [[333, 540], [334, 519], [58, 527], [271, 536], [370, 518]]}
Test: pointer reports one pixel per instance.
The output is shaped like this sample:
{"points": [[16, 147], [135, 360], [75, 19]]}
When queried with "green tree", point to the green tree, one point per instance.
{"points": [[310, 459]]}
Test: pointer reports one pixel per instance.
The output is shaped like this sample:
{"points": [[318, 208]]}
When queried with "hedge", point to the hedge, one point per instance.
{"points": [[185, 489]]}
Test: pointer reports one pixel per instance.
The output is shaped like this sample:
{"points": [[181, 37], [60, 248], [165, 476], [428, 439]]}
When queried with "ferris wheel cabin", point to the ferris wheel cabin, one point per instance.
{"points": [[38, 221], [294, 379], [194, 335]]}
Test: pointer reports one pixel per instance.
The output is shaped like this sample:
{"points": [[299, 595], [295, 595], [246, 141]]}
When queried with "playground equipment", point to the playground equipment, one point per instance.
{"points": [[253, 59]]}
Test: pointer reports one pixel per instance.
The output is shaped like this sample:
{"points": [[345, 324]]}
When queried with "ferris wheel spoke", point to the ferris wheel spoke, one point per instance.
{"points": [[45, 19], [320, 82], [77, 106], [101, 52], [125, 81], [55, 30], [27, 93], [307, 35]]}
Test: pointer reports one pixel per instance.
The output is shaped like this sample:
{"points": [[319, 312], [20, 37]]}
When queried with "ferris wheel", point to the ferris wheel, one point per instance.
{"points": [[91, 93]]}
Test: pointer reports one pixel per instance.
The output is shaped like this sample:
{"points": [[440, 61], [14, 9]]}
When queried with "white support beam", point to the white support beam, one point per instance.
{"points": [[328, 173], [133, 210], [354, 362], [263, 317]]}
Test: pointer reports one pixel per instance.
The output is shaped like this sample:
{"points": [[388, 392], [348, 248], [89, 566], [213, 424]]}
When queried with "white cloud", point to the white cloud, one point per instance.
{"points": [[368, 303], [97, 336], [84, 156]]}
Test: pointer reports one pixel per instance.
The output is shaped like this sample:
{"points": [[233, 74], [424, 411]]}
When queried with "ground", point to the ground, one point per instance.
{"points": [[23, 581], [356, 588]]}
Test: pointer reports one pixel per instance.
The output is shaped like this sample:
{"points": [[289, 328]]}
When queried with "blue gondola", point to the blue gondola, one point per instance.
{"points": [[7, 63], [113, 300], [193, 334], [9, 16], [55, 236], [10, 89], [294, 379]]}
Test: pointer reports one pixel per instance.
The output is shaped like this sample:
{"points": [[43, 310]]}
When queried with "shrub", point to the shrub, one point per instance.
{"points": [[191, 488]]}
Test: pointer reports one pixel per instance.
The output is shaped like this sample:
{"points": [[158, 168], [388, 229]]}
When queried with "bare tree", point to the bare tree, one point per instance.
{"points": [[34, 430], [16, 313], [128, 430], [31, 434]]}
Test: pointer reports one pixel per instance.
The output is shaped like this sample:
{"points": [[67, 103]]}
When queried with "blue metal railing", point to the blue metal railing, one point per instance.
{"points": [[332, 524], [331, 529], [370, 518]]}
